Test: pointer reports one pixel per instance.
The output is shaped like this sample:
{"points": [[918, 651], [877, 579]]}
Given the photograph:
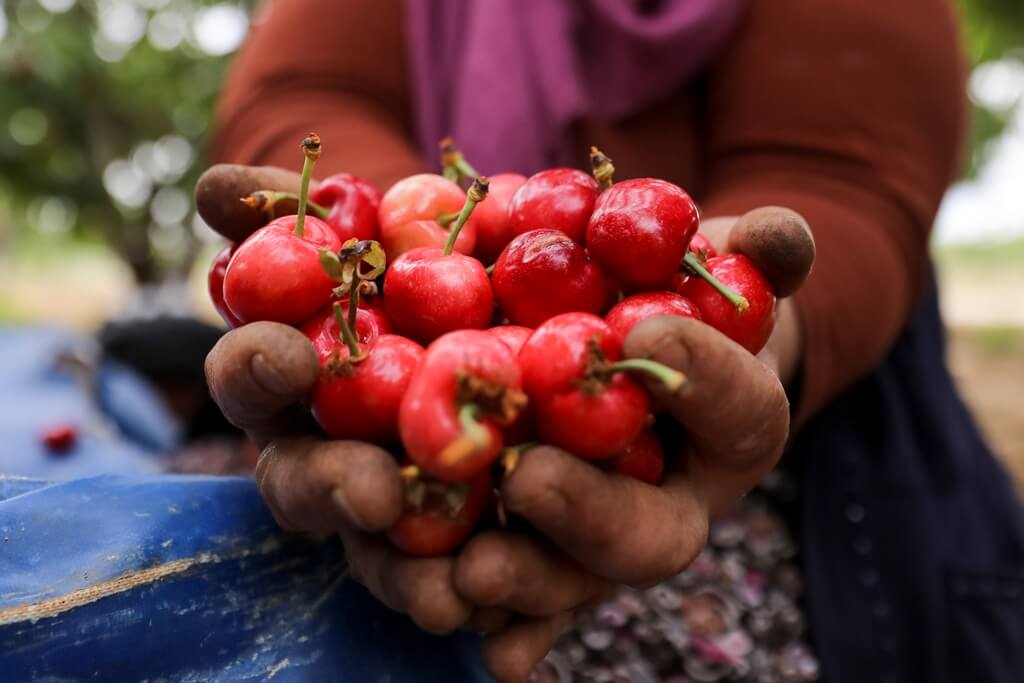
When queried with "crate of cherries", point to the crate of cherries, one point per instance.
{"points": [[460, 320]]}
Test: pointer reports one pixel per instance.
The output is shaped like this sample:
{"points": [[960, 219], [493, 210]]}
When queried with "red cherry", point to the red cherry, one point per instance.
{"points": [[543, 273], [276, 275], [513, 335], [639, 231], [558, 198], [466, 388], [439, 516], [428, 294], [352, 205], [323, 330], [644, 459], [631, 310], [215, 284], [59, 438], [751, 327], [572, 373], [409, 213], [493, 231], [360, 399], [430, 291]]}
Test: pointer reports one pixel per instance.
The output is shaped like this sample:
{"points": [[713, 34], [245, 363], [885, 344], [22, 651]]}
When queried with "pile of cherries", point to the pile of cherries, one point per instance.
{"points": [[460, 367]]}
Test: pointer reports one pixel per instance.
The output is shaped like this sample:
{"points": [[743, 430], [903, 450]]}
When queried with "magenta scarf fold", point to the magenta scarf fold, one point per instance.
{"points": [[508, 78]]}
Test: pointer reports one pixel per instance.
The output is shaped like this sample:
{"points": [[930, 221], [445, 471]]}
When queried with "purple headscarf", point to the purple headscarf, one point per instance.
{"points": [[507, 78]]}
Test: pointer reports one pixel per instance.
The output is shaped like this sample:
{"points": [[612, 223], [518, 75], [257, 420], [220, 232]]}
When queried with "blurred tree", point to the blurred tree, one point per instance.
{"points": [[107, 104]]}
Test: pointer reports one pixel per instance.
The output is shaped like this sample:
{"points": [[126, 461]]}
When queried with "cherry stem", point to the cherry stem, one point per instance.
{"points": [[446, 219], [672, 379], [454, 166], [693, 262], [311, 148], [602, 168], [474, 438], [353, 301], [355, 354], [266, 200], [490, 269], [476, 194]]}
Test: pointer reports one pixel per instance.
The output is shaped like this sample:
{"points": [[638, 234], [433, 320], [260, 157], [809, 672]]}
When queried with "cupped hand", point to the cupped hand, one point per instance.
{"points": [[593, 529]]}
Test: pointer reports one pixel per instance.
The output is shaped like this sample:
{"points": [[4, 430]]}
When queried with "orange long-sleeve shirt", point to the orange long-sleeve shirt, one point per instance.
{"points": [[849, 112]]}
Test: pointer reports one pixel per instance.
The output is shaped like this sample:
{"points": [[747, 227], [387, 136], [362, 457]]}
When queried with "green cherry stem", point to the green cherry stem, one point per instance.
{"points": [[266, 201], [476, 194], [446, 219], [353, 301], [474, 438], [694, 264], [311, 147], [355, 354], [454, 166], [672, 379]]}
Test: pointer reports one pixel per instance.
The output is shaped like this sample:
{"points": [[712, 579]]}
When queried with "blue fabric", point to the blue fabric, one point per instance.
{"points": [[913, 537], [188, 579]]}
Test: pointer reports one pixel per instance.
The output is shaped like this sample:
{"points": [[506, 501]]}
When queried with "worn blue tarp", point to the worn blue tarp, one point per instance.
{"points": [[134, 576]]}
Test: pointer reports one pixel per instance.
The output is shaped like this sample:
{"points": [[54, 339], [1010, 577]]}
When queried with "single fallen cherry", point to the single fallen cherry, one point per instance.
{"points": [[639, 232], [438, 516], [59, 438], [467, 388], [582, 398], [748, 323], [558, 199], [215, 284], [643, 459], [361, 385], [430, 291], [417, 212], [542, 273], [275, 273], [624, 316]]}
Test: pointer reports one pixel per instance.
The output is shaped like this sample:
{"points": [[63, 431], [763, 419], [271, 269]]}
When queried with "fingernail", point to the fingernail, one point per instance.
{"points": [[671, 352], [338, 496], [268, 377]]}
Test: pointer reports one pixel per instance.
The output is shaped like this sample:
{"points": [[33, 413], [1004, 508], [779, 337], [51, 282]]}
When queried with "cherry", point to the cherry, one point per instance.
{"points": [[323, 330], [643, 459], [573, 373], [59, 438], [558, 198], [639, 232], [749, 323], [215, 284], [361, 385], [631, 310], [275, 273], [493, 230], [353, 206], [543, 273], [417, 211], [466, 389], [701, 247], [513, 335], [430, 291], [439, 516]]}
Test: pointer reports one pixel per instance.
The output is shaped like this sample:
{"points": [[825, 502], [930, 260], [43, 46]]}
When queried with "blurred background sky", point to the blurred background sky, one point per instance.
{"points": [[105, 112]]}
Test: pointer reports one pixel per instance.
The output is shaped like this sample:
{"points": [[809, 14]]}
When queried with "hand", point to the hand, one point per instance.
{"points": [[596, 529]]}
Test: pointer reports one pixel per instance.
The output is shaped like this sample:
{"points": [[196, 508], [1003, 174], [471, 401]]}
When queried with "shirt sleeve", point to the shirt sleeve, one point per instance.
{"points": [[334, 67], [851, 113]]}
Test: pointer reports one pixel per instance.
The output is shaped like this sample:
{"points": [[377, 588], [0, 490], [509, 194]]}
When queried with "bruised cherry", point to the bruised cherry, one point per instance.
{"points": [[275, 274], [624, 316], [643, 459], [542, 273], [583, 401], [438, 516], [467, 387], [639, 232], [417, 211], [215, 284], [749, 323], [430, 291], [558, 199]]}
